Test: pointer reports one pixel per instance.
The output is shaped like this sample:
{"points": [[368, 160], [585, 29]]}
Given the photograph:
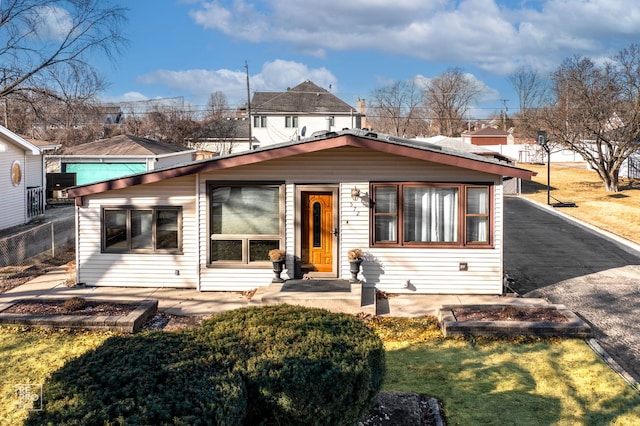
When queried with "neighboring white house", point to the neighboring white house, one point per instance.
{"points": [[299, 112], [116, 156], [23, 191], [429, 219]]}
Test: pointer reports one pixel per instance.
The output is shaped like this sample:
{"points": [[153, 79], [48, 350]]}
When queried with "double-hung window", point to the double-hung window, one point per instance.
{"points": [[246, 222], [291, 121], [141, 230], [259, 121], [420, 214]]}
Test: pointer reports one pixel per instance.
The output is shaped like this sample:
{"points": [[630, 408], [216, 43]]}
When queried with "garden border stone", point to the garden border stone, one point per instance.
{"points": [[129, 323], [574, 327]]}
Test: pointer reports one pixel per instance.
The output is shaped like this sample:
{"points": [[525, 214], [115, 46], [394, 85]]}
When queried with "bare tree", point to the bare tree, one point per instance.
{"points": [[532, 88], [597, 111], [218, 107], [534, 93], [37, 36], [166, 123], [448, 98], [397, 109]]}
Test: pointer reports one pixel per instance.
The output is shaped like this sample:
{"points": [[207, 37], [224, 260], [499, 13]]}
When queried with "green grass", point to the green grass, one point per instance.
{"points": [[523, 381], [535, 383], [29, 356]]}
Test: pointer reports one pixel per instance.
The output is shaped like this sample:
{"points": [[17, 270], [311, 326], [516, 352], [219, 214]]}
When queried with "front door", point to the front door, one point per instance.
{"points": [[318, 233]]}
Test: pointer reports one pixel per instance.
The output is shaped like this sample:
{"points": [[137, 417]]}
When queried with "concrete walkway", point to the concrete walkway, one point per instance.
{"points": [[188, 302]]}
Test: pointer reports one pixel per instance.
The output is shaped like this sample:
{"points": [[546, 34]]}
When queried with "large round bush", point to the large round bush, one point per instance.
{"points": [[154, 378], [302, 366]]}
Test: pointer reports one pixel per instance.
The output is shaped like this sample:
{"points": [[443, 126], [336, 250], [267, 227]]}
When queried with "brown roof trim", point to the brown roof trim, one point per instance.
{"points": [[309, 146]]}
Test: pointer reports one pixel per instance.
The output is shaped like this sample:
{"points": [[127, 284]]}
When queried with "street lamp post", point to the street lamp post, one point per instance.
{"points": [[542, 141]]}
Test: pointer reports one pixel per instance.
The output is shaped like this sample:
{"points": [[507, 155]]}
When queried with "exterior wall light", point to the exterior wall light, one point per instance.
{"points": [[355, 194]]}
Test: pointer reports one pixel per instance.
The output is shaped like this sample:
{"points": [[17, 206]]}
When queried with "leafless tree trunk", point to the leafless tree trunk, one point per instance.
{"points": [[448, 98]]}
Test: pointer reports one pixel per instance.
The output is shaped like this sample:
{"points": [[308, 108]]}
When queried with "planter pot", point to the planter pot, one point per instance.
{"points": [[278, 267], [354, 268]]}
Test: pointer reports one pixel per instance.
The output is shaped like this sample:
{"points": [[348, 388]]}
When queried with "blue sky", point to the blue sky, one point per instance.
{"points": [[191, 48]]}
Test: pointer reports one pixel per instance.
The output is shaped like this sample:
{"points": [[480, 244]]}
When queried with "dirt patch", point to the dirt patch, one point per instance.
{"points": [[16, 275], [403, 409], [509, 313], [58, 307]]}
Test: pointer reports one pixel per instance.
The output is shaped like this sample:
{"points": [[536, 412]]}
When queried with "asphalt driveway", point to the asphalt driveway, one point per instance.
{"points": [[596, 276]]}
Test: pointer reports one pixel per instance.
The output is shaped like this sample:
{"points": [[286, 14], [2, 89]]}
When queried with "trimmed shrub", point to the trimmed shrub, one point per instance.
{"points": [[301, 365], [75, 304], [155, 378]]}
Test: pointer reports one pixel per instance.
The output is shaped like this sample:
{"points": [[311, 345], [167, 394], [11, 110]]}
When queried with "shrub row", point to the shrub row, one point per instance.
{"points": [[266, 365]]}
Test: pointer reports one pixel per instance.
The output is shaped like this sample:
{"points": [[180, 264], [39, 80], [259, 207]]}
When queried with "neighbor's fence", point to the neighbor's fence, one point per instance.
{"points": [[49, 238], [634, 168]]}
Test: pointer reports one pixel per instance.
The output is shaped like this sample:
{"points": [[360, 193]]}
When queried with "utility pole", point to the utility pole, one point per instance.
{"points": [[246, 65], [504, 114]]}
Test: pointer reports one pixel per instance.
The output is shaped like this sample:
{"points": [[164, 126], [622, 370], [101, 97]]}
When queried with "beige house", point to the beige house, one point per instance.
{"points": [[428, 218]]}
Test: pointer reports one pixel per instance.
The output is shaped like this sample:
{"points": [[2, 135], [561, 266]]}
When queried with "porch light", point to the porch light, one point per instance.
{"points": [[355, 194]]}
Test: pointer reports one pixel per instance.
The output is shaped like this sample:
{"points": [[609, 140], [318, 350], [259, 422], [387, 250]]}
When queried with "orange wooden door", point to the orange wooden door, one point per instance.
{"points": [[317, 231]]}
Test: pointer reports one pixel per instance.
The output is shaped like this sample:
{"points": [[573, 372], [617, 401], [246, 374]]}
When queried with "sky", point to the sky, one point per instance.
{"points": [[188, 49]]}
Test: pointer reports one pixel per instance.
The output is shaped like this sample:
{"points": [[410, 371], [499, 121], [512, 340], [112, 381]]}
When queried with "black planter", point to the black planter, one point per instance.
{"points": [[278, 267], [354, 268]]}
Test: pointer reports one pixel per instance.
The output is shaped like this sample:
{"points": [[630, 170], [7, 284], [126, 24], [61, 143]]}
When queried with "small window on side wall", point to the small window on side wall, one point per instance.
{"points": [[141, 230]]}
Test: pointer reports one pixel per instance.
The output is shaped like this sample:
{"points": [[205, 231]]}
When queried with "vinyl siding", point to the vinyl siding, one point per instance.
{"points": [[132, 269], [34, 170], [12, 207], [428, 270]]}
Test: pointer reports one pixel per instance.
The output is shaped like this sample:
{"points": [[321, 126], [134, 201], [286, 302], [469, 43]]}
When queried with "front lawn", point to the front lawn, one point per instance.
{"points": [[522, 381], [29, 356], [482, 381]]}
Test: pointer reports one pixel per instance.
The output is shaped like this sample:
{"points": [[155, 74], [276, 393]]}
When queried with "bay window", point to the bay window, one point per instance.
{"points": [[245, 223], [418, 214]]}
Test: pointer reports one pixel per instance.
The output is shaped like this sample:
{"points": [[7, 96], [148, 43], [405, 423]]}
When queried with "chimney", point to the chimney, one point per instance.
{"points": [[361, 107]]}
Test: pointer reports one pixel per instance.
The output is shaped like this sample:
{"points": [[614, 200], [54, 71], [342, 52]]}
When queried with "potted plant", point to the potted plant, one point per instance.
{"points": [[277, 257], [355, 260]]}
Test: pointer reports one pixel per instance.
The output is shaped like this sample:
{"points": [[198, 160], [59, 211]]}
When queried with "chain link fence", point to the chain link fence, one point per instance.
{"points": [[48, 238]]}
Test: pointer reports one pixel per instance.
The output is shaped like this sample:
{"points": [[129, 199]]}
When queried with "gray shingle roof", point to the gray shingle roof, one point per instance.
{"points": [[307, 97], [123, 145]]}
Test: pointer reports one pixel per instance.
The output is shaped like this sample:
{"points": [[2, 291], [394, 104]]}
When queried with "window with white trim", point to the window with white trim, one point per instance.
{"points": [[421, 214], [246, 222], [142, 230]]}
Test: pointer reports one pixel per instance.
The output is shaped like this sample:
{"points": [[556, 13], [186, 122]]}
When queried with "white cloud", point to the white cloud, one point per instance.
{"points": [[54, 23], [495, 35], [273, 76]]}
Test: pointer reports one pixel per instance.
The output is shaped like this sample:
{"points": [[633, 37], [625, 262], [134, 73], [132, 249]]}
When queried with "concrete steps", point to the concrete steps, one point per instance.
{"points": [[332, 294]]}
